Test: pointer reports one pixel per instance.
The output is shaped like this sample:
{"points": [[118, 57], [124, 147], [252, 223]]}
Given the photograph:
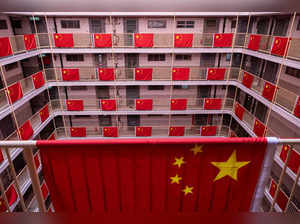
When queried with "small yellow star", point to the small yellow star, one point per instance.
{"points": [[197, 148], [137, 36], [176, 179], [177, 37], [179, 161], [174, 70], [188, 190]]}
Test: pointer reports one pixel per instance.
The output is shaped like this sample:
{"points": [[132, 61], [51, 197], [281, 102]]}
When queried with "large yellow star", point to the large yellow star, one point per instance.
{"points": [[179, 161], [230, 167], [197, 148], [176, 179], [188, 190]]}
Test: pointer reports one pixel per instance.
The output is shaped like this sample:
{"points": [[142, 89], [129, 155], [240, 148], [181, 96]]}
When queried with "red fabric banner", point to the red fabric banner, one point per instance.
{"points": [[29, 41], [110, 132], [216, 73], [11, 195], [209, 131], [102, 40], [44, 113], [143, 131], [143, 104], [78, 131], [136, 175], [45, 191], [26, 130], [144, 74], [176, 131], [36, 161], [223, 39], [183, 40], [109, 105], [1, 156], [254, 42], [297, 108], [63, 40], [212, 104], [281, 199], [294, 161], [38, 80], [269, 91], [239, 111], [143, 39], [3, 207], [106, 74], [178, 104], [180, 74], [259, 128], [74, 105], [280, 46], [70, 74], [5, 47], [15, 92], [247, 80], [52, 137]]}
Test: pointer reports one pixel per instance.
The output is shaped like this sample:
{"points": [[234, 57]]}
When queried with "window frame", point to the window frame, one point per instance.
{"points": [[189, 24], [156, 57], [150, 23], [70, 24], [3, 24], [72, 57]]}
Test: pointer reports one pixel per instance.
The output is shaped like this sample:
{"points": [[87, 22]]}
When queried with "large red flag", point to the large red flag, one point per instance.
{"points": [[178, 104], [44, 113], [216, 73], [143, 104], [179, 74], [297, 108], [143, 39], [78, 131], [259, 128], [136, 175], [239, 111], [70, 74], [143, 74], [176, 131], [183, 40], [247, 80], [280, 46], [254, 41], [63, 40], [29, 41], [212, 104], [11, 195], [5, 47], [269, 91], [106, 74], [143, 131], [294, 161], [38, 80], [110, 132], [281, 199], [102, 40], [108, 105], [74, 105], [223, 39], [209, 131], [26, 130], [15, 92]]}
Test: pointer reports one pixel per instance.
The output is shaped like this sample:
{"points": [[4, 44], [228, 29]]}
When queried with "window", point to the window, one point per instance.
{"points": [[183, 57], [185, 24], [155, 87], [157, 23], [74, 57], [3, 24], [181, 87], [298, 25], [228, 56], [82, 116], [78, 87], [17, 24], [105, 120], [156, 57], [233, 24], [293, 72], [211, 23], [11, 66], [70, 24]]}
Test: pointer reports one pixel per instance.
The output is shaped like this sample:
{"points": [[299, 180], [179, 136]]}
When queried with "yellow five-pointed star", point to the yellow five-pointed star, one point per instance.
{"points": [[230, 167], [188, 190], [196, 149], [176, 179], [179, 161]]}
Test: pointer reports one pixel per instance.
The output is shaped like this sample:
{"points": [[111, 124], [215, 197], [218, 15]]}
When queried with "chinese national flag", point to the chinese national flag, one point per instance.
{"points": [[180, 74], [143, 131], [209, 131], [269, 91], [109, 105], [254, 42], [143, 74], [143, 104], [178, 104], [183, 40], [78, 132], [247, 80], [294, 161], [143, 39], [15, 92], [44, 113], [102, 40], [280, 45], [239, 111], [38, 80], [29, 41], [5, 47], [212, 104], [223, 39], [74, 105], [3, 207], [110, 132], [45, 191], [63, 40], [70, 74], [176, 131], [216, 73], [281, 199], [26, 130], [259, 128], [36, 161], [11, 195], [1, 156], [106, 74], [297, 108]]}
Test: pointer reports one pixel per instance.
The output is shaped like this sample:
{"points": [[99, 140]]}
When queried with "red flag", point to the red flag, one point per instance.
{"points": [[294, 161], [5, 47], [178, 104], [110, 132], [259, 128], [143, 131], [281, 199], [143, 74], [44, 113], [78, 132], [74, 105], [269, 91], [143, 39], [38, 80], [29, 41], [223, 39], [11, 195], [3, 207], [216, 73], [183, 40], [212, 104], [45, 191], [176, 131], [280, 46], [70, 74], [247, 80], [254, 42], [180, 74], [239, 111], [109, 105], [26, 130], [1, 156], [52, 137], [102, 40], [209, 131], [37, 161], [63, 40], [297, 108], [106, 74], [15, 92], [143, 104]]}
